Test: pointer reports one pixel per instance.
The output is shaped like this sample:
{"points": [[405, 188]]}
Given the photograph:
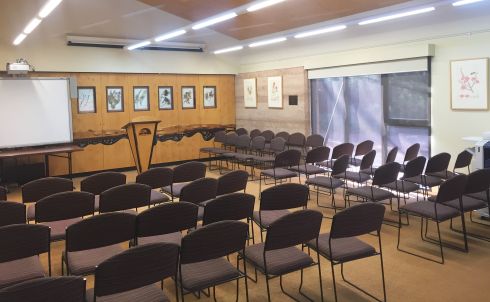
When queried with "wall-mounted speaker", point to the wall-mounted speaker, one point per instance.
{"points": [[293, 100]]}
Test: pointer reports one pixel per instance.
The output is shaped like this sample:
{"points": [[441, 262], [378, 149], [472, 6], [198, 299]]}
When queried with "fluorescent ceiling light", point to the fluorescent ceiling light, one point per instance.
{"points": [[464, 2], [399, 15], [228, 49], [263, 4], [214, 21], [170, 35], [48, 8], [320, 31], [32, 25], [139, 45], [267, 42], [19, 39]]}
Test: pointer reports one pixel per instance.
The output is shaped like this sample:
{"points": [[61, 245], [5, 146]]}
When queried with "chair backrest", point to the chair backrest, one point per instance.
{"points": [[243, 141], [235, 206], [156, 177], [231, 182], [364, 147], [199, 190], [295, 228], [166, 218], [40, 188], [368, 160], [415, 167], [3, 193], [124, 197], [438, 163], [268, 135], [314, 141], [135, 268], [220, 137], [189, 171], [463, 160], [230, 139], [297, 139], [213, 241], [478, 181], [277, 144], [340, 165], [258, 143], [391, 157], [66, 289], [284, 196], [100, 182], [255, 133], [64, 205], [283, 134], [12, 213], [386, 174], [317, 154], [241, 131], [452, 188], [412, 152], [342, 149], [99, 231], [288, 158], [357, 220], [23, 240]]}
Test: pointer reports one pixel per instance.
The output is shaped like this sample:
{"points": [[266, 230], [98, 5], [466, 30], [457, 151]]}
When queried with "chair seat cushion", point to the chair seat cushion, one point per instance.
{"points": [[58, 228], [212, 150], [175, 238], [442, 174], [327, 164], [402, 186], [176, 187], [325, 182], [20, 270], [84, 262], [280, 261], [309, 169], [425, 180], [149, 293], [266, 218], [426, 209], [376, 194], [480, 195], [157, 197], [343, 249], [355, 161], [469, 204], [279, 173], [204, 274], [357, 176], [263, 158]]}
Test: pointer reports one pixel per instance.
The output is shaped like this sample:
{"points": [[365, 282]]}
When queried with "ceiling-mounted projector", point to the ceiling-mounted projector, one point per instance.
{"points": [[21, 66]]}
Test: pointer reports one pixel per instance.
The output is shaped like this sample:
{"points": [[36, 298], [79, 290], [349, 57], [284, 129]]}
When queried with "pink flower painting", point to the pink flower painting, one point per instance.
{"points": [[468, 84]]}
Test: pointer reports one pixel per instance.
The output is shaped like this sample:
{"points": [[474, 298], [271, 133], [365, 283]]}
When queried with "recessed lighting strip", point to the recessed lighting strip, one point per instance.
{"points": [[263, 4], [214, 20], [268, 42], [229, 49], [139, 45], [320, 31], [464, 2], [397, 16]]}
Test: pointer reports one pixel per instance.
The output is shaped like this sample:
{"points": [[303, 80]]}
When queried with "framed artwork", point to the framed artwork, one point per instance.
{"points": [[469, 84], [250, 93], [86, 100], [209, 97], [141, 101], [115, 99], [274, 92], [165, 98], [188, 97]]}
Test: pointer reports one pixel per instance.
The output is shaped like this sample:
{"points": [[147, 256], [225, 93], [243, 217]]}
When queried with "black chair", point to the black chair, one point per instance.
{"points": [[391, 157], [265, 159], [200, 191], [314, 141], [281, 167], [279, 256], [341, 245], [411, 153], [338, 151], [183, 174], [218, 148], [413, 168], [19, 256], [47, 289], [255, 133], [156, 178], [462, 161], [202, 263], [313, 157], [275, 146], [257, 145], [100, 182], [268, 135], [231, 182], [241, 131], [3, 193], [125, 198], [130, 275], [12, 213], [283, 134], [436, 164], [361, 149], [438, 212], [364, 173], [297, 141], [241, 154]]}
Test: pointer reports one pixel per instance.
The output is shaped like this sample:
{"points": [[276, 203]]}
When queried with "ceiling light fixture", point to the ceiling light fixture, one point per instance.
{"points": [[214, 21], [464, 2], [230, 49], [139, 45], [263, 4], [399, 15], [32, 25], [170, 35], [320, 31], [48, 8], [19, 39], [267, 42]]}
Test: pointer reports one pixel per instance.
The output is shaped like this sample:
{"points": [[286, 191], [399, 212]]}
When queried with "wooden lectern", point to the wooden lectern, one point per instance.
{"points": [[141, 134]]}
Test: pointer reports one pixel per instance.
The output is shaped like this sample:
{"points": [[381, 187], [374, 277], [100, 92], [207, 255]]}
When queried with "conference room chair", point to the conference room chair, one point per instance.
{"points": [[131, 275], [40, 188], [95, 239], [268, 135], [269, 153], [12, 212], [241, 131], [438, 212], [3, 193], [314, 141], [99, 182], [255, 133], [313, 157], [277, 201], [230, 141], [297, 141], [436, 164], [232, 182], [330, 183], [46, 289], [341, 244], [183, 174], [199, 191], [411, 153], [156, 178], [257, 145], [218, 146], [390, 157], [165, 222], [364, 173], [127, 197], [241, 153], [338, 151], [19, 256], [202, 257], [285, 135], [276, 145], [361, 149], [281, 168], [279, 254], [462, 161], [60, 210]]}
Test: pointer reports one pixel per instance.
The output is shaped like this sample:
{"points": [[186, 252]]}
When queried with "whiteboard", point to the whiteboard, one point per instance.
{"points": [[34, 111]]}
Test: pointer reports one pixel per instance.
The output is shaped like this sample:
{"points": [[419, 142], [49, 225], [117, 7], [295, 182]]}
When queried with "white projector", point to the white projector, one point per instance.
{"points": [[18, 68]]}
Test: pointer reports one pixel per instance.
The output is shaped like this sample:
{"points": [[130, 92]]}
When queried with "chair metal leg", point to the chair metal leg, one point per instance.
{"points": [[333, 281], [358, 288], [268, 290]]}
